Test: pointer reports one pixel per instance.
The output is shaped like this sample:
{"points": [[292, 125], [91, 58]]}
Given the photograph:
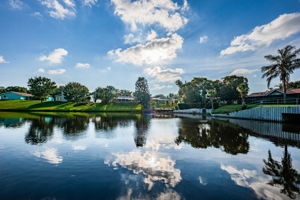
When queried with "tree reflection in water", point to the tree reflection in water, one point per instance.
{"points": [[283, 174], [141, 125], [74, 127], [40, 130], [215, 133]]}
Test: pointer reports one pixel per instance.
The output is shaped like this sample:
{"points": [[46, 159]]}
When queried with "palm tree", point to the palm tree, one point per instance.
{"points": [[243, 89], [283, 66]]}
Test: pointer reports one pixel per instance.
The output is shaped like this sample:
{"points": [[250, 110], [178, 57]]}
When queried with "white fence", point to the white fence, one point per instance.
{"points": [[263, 113]]}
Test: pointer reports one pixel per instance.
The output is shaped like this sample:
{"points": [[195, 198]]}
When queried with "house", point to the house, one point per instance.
{"points": [[274, 96], [16, 96], [60, 97], [125, 99]]}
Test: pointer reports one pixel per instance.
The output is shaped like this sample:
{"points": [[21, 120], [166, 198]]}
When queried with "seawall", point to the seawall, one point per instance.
{"points": [[266, 113]]}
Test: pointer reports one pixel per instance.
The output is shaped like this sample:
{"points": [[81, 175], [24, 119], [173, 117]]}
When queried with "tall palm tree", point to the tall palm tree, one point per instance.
{"points": [[243, 89], [283, 66]]}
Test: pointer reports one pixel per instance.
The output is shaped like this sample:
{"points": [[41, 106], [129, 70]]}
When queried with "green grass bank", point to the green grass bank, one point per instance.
{"points": [[21, 105]]}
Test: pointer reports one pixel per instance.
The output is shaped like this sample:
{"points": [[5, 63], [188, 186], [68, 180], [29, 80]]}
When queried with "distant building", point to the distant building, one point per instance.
{"points": [[274, 96], [168, 101], [16, 96], [60, 97], [123, 99]]}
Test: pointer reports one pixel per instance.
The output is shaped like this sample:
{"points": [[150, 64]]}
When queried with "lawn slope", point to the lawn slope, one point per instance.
{"points": [[20, 105]]}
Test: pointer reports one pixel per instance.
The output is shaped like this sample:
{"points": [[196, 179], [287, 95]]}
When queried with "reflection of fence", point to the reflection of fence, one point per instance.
{"points": [[269, 129], [263, 113]]}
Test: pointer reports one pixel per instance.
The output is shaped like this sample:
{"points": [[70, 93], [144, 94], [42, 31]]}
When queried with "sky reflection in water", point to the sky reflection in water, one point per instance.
{"points": [[124, 156]]}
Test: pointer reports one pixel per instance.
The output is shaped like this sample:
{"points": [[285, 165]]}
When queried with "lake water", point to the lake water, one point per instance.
{"points": [[128, 156]]}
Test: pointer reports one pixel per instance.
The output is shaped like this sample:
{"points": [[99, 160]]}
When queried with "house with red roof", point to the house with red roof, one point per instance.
{"points": [[274, 96]]}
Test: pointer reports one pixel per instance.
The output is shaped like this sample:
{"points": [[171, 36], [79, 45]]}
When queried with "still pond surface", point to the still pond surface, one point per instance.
{"points": [[124, 156]]}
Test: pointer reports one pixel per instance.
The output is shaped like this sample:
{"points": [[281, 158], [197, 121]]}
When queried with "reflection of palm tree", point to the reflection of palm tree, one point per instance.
{"points": [[283, 174]]}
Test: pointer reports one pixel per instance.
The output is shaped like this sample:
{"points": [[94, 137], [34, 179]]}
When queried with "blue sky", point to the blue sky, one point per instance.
{"points": [[112, 42]]}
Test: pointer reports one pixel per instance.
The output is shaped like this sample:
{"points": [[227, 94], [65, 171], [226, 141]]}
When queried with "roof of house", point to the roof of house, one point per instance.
{"points": [[21, 94], [268, 92]]}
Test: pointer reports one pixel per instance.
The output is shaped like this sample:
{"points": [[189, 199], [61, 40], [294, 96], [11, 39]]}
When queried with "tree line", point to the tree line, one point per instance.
{"points": [[203, 92], [42, 88]]}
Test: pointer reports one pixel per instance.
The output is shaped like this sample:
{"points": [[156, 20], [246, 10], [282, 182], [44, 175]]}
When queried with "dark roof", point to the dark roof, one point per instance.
{"points": [[266, 93], [293, 91], [21, 94]]}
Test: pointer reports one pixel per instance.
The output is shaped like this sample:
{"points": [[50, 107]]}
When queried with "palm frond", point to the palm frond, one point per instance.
{"points": [[272, 58]]}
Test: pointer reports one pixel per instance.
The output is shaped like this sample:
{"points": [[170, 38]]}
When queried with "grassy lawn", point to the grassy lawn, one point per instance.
{"points": [[163, 106], [67, 106]]}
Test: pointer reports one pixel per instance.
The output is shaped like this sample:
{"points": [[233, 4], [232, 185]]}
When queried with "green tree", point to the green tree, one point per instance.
{"points": [[125, 93], [75, 92], [243, 89], [228, 90], [2, 89], [291, 85], [142, 93], [105, 94], [16, 89], [41, 87], [283, 66]]}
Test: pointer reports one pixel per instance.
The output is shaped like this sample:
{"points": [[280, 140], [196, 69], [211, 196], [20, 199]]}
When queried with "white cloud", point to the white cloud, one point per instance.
{"points": [[52, 71], [139, 37], [89, 3], [69, 3], [16, 4], [132, 38], [41, 70], [78, 147], [203, 39], [153, 165], [49, 154], [155, 52], [243, 71], [37, 14], [58, 10], [55, 57], [165, 13], [56, 71], [164, 74], [2, 60], [82, 65], [250, 179], [151, 36], [160, 87], [282, 27]]}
